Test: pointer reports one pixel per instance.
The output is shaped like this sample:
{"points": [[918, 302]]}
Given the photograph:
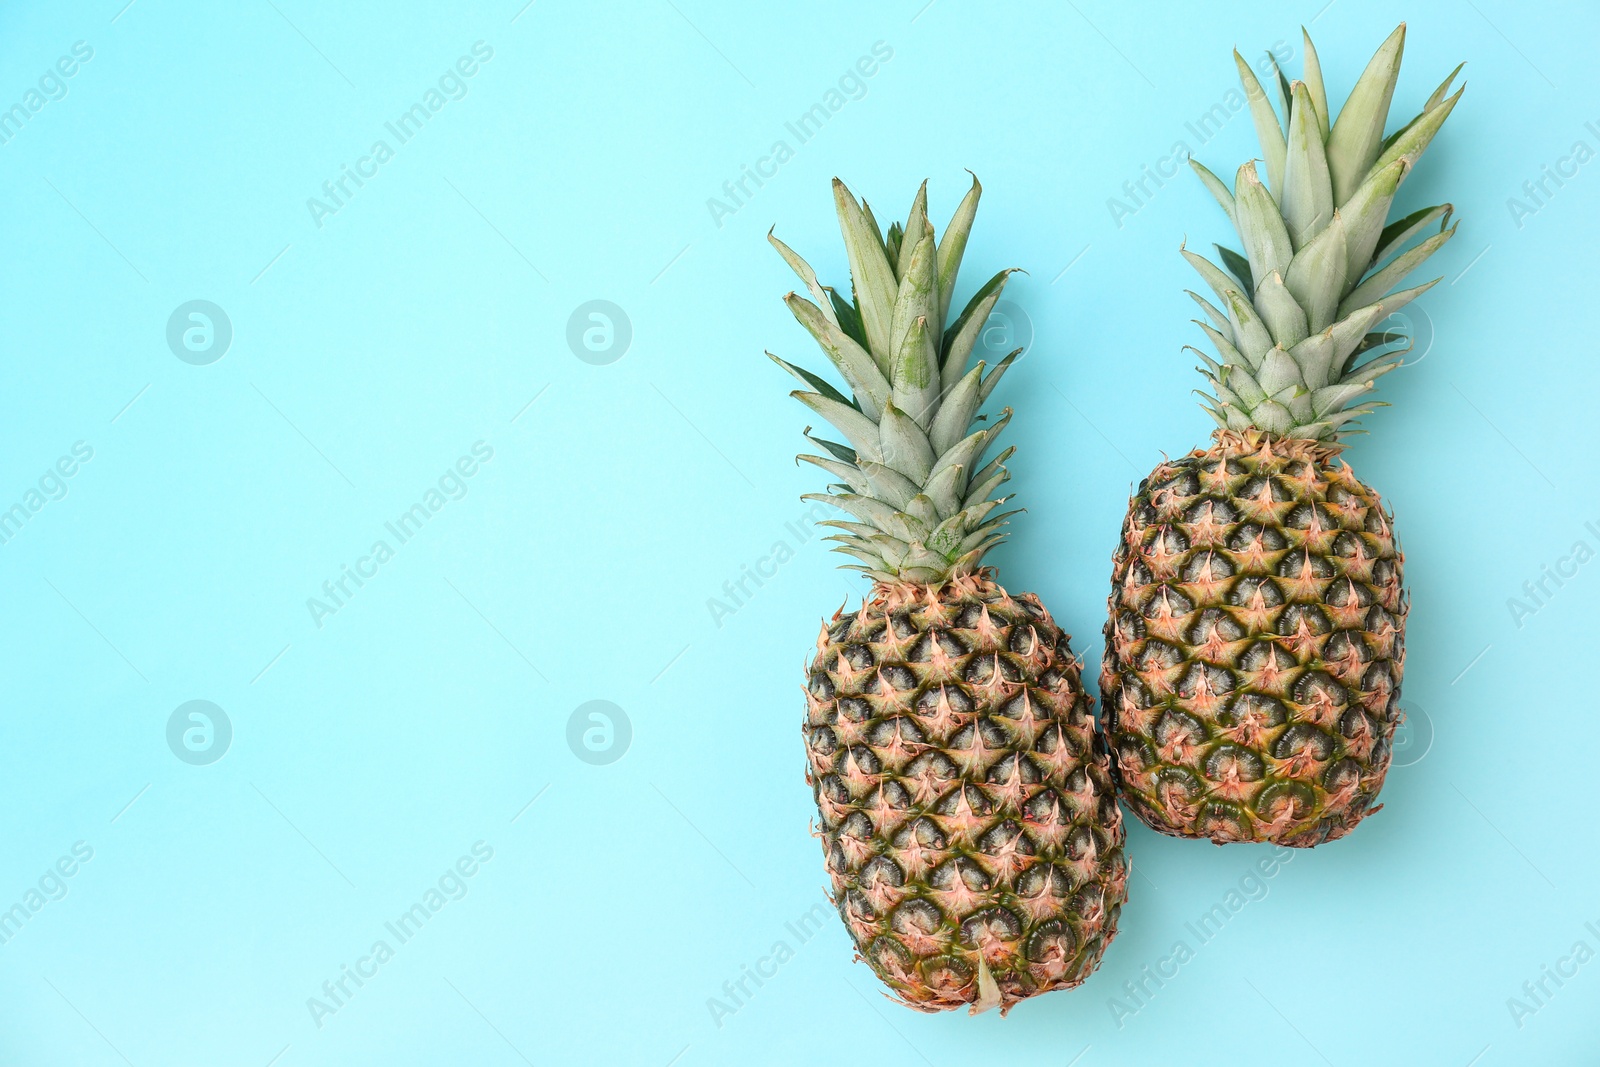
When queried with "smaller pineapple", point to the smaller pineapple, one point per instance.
{"points": [[969, 822], [1256, 637]]}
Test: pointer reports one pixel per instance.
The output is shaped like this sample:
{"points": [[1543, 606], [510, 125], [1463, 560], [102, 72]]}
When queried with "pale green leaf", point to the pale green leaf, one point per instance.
{"points": [[954, 244], [1357, 134], [871, 277], [1307, 196]]}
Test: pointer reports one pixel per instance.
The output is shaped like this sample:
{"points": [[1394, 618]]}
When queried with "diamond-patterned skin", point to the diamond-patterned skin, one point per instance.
{"points": [[968, 814], [1255, 644]]}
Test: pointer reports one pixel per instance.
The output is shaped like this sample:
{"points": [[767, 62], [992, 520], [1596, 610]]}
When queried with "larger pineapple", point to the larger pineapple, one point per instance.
{"points": [[969, 820], [1255, 644]]}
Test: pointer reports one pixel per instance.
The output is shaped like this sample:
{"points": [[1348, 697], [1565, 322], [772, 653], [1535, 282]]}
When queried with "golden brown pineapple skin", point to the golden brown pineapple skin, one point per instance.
{"points": [[967, 809], [1255, 644]]}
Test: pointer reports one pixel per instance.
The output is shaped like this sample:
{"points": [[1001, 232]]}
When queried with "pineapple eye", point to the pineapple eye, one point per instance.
{"points": [[1179, 784], [1157, 655], [1345, 775], [1257, 707], [1304, 738], [1300, 517], [856, 825], [1301, 562], [1205, 679], [999, 837], [1309, 616], [1182, 483], [1293, 800], [855, 709], [1264, 655], [916, 916], [1229, 761], [858, 656], [1356, 723], [881, 871], [1214, 624], [900, 678], [1134, 753], [1346, 546], [1139, 575], [821, 743], [865, 760], [1252, 535], [1246, 591], [1176, 727], [1168, 541], [1346, 645], [1208, 565], [831, 788], [1265, 489], [1014, 765], [902, 729], [959, 701], [1318, 687], [1167, 601]]}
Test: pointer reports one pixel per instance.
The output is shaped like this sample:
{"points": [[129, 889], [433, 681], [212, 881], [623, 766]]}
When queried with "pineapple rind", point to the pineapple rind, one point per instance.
{"points": [[967, 810], [1255, 645]]}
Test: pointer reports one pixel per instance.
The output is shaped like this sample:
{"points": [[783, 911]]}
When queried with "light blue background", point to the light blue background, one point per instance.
{"points": [[372, 352]]}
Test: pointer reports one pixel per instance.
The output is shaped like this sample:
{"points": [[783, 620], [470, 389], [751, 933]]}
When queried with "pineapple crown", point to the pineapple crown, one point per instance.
{"points": [[910, 472], [1295, 357]]}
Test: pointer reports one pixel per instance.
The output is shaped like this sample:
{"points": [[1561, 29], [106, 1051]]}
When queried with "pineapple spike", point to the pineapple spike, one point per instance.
{"points": [[914, 357], [858, 368], [1278, 87], [1397, 234], [953, 245], [1261, 228], [807, 275], [1319, 264], [821, 385], [960, 338], [1214, 184], [917, 227], [1268, 130], [1314, 86], [1380, 282], [1354, 140], [910, 409], [871, 279], [1412, 141], [891, 245], [1307, 197]]}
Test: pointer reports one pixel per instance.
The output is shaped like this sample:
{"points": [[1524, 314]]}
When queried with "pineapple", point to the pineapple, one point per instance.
{"points": [[967, 811], [1255, 643]]}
